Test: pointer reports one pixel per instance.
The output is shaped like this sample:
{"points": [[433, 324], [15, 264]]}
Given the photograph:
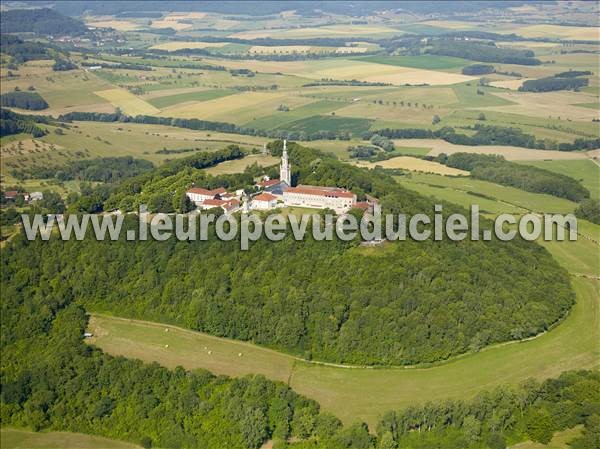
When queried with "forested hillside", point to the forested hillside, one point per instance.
{"points": [[406, 303], [39, 21]]}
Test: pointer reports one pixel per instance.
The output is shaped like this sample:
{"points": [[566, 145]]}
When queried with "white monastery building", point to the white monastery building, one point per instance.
{"points": [[264, 201], [340, 200], [198, 195]]}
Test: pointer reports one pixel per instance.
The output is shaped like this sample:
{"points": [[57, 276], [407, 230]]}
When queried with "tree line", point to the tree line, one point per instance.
{"points": [[484, 134], [481, 51], [495, 168]]}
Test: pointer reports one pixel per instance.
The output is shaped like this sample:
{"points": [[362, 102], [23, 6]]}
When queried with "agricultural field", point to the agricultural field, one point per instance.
{"points": [[418, 165], [23, 439], [127, 102]]}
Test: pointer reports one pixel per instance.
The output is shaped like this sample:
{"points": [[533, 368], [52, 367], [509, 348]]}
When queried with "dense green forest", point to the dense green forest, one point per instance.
{"points": [[482, 51], [530, 411], [39, 21], [484, 134], [434, 299], [106, 169], [478, 69], [51, 380], [13, 123], [495, 168], [589, 209], [553, 83], [23, 100]]}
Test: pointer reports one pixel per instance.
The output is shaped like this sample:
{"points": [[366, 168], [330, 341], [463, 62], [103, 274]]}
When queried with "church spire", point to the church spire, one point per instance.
{"points": [[285, 174]]}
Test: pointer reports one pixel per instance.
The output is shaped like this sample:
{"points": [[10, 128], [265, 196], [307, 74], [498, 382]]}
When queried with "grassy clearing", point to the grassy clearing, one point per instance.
{"points": [[415, 164], [204, 95], [127, 102], [23, 439], [239, 165], [585, 171], [280, 119], [316, 123]]}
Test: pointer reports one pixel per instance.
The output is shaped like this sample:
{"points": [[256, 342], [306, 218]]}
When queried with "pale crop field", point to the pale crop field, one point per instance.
{"points": [[239, 108], [562, 104], [239, 165], [510, 153], [166, 23], [127, 102], [119, 25], [347, 69], [416, 164], [512, 84], [389, 113]]}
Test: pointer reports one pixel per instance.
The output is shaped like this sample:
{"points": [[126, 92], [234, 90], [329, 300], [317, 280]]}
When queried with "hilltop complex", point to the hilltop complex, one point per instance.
{"points": [[275, 193]]}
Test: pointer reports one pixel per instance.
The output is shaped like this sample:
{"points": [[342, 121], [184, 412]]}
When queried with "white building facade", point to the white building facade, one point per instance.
{"points": [[340, 200]]}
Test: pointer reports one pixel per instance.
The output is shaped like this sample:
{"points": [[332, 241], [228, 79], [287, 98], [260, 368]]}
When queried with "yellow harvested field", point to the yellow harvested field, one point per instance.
{"points": [[510, 153], [178, 26], [556, 104], [450, 24], [564, 32], [347, 69], [416, 164], [119, 25], [240, 108], [512, 84], [173, 46], [127, 102]]}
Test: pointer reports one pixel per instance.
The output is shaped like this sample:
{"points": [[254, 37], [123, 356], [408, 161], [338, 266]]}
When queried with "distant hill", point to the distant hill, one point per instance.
{"points": [[39, 21]]}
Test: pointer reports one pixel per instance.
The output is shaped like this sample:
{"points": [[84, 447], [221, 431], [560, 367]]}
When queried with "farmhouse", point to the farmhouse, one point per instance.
{"points": [[228, 206]]}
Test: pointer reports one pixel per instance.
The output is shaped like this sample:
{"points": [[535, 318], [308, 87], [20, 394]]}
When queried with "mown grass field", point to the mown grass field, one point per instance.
{"points": [[203, 95], [23, 439]]}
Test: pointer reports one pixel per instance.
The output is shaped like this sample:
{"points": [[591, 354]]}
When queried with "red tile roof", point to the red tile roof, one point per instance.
{"points": [[265, 197], [201, 191], [333, 192], [362, 205], [213, 202], [269, 183]]}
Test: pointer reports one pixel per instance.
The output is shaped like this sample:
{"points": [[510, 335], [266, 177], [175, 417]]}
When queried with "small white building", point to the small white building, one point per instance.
{"points": [[340, 200], [36, 196], [263, 201]]}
